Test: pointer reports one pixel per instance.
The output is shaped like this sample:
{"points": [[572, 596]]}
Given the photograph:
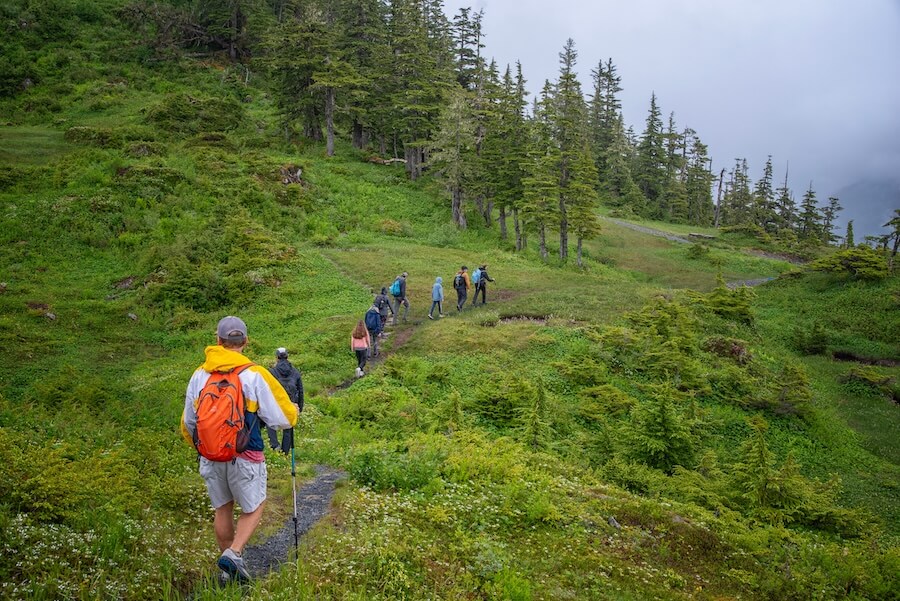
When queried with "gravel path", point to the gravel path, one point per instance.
{"points": [[313, 502], [651, 231]]}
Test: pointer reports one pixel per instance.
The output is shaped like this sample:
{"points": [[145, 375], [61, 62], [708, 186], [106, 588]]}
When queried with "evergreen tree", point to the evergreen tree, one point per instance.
{"points": [[570, 132], [535, 430], [763, 204], [582, 198], [541, 183], [661, 436], [454, 152], [511, 138], [829, 213], [467, 36], [786, 207], [617, 185], [810, 225], [698, 184], [650, 168], [421, 72], [736, 204], [604, 109], [364, 45], [848, 239]]}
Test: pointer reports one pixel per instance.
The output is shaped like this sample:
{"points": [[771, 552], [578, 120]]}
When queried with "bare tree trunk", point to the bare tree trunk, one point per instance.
{"points": [[459, 216], [893, 252], [719, 198], [489, 214], [235, 28], [502, 222], [479, 203], [329, 120], [357, 134], [518, 229], [578, 254], [542, 233], [563, 230]]}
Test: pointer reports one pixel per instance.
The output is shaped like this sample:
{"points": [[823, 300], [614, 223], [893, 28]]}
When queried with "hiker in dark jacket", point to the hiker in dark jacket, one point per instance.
{"points": [[372, 319], [401, 298], [384, 305], [482, 286], [289, 377]]}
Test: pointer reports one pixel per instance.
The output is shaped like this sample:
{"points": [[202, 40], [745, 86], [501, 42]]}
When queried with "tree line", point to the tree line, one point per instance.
{"points": [[403, 79]]}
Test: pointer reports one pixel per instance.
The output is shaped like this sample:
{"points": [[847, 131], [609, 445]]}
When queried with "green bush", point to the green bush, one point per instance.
{"points": [[812, 340], [385, 467], [186, 113], [860, 262]]}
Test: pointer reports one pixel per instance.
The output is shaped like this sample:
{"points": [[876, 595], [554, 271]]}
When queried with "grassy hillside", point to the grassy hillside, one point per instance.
{"points": [[626, 431]]}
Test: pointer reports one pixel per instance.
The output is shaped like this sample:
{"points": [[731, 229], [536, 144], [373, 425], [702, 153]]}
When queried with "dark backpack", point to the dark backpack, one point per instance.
{"points": [[373, 321], [459, 281]]}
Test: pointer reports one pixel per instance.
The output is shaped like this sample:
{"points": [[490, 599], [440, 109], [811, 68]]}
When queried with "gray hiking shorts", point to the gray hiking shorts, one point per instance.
{"points": [[242, 481]]}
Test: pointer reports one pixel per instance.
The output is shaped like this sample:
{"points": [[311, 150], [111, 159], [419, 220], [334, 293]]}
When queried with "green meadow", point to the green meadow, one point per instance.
{"points": [[629, 430]]}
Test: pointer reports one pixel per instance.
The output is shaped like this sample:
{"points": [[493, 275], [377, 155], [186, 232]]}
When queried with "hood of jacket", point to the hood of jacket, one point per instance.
{"points": [[439, 280], [219, 358], [283, 369]]}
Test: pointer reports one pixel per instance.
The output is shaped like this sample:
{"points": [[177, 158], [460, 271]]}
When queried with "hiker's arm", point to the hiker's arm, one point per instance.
{"points": [[273, 405]]}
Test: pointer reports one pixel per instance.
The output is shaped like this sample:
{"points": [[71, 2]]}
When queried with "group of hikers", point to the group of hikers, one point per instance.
{"points": [[368, 330], [230, 399]]}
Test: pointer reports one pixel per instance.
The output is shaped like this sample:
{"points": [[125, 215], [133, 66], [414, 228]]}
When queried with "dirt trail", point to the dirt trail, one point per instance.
{"points": [[314, 497], [313, 502]]}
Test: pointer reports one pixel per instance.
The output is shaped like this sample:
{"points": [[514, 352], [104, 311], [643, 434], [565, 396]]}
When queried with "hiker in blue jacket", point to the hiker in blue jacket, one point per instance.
{"points": [[437, 298], [372, 320]]}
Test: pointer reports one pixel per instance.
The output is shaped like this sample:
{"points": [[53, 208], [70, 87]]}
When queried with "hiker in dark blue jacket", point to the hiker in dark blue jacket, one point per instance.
{"points": [[481, 286], [372, 320]]}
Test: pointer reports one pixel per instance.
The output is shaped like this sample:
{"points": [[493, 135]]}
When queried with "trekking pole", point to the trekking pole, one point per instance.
{"points": [[294, 489]]}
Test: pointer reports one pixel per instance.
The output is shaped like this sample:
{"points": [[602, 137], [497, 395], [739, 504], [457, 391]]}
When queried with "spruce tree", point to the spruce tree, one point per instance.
{"points": [[650, 167], [603, 112], [453, 151], [570, 132], [848, 238], [582, 198], [786, 207], [829, 214], [541, 183], [698, 184], [810, 219], [660, 435], [763, 204]]}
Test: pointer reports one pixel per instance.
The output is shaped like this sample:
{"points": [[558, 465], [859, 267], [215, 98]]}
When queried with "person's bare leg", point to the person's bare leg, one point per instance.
{"points": [[224, 525], [246, 524]]}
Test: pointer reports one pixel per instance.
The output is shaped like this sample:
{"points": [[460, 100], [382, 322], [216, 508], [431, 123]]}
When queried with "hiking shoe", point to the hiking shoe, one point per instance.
{"points": [[233, 564], [430, 316], [442, 315]]}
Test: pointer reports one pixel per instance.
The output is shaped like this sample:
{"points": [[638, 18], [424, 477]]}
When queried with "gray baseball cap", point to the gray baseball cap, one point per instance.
{"points": [[281, 353], [232, 329]]}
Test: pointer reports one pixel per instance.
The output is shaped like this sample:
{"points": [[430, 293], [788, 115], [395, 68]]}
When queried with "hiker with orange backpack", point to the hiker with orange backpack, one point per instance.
{"points": [[227, 399]]}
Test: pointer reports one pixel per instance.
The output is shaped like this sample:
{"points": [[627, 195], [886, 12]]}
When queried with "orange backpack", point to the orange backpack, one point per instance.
{"points": [[221, 429]]}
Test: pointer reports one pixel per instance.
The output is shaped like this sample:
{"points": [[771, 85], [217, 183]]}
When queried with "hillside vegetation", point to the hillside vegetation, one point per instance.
{"points": [[632, 429]]}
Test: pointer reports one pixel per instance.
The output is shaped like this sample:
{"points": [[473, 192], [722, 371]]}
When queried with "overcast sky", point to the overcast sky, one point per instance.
{"points": [[812, 82]]}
